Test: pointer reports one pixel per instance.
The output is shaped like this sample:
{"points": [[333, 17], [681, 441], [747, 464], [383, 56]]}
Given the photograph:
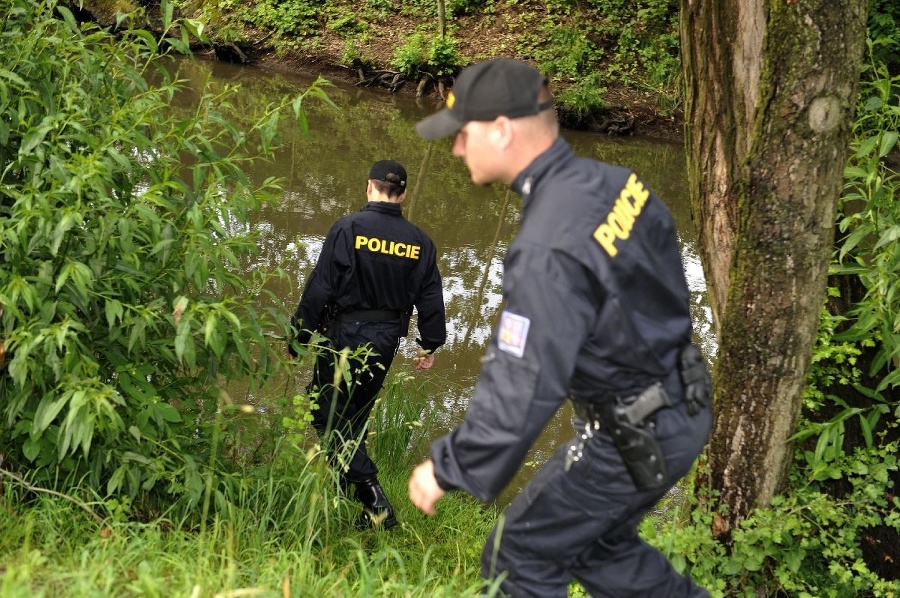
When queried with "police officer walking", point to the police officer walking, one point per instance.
{"points": [[374, 267], [596, 311]]}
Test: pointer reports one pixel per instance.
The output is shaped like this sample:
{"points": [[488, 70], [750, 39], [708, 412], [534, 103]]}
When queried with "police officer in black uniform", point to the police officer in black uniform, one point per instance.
{"points": [[597, 312], [375, 266]]}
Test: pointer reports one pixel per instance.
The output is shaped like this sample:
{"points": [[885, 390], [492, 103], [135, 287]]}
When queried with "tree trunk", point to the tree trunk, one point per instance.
{"points": [[770, 94], [442, 19]]}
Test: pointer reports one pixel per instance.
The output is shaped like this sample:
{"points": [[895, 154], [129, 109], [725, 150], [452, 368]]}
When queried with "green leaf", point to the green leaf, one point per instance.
{"points": [[115, 481], [147, 38], [888, 141], [66, 223], [866, 428], [209, 329], [890, 380], [794, 559], [46, 412], [114, 311], [888, 236], [31, 448], [68, 18], [852, 240], [132, 456], [32, 139], [181, 338], [168, 10], [167, 412]]}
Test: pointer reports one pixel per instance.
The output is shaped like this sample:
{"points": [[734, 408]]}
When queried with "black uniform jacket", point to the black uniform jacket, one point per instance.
{"points": [[375, 259], [596, 302]]}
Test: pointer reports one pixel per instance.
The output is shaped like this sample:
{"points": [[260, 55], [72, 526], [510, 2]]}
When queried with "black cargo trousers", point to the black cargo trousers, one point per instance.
{"points": [[343, 411], [581, 521]]}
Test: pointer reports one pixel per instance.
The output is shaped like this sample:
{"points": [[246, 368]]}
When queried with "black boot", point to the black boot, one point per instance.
{"points": [[377, 510]]}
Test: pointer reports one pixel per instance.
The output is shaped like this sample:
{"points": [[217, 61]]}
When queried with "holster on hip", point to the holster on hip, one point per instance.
{"points": [[641, 454], [627, 419]]}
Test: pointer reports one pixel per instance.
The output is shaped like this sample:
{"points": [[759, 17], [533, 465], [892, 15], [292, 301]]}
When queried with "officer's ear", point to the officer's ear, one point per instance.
{"points": [[501, 131]]}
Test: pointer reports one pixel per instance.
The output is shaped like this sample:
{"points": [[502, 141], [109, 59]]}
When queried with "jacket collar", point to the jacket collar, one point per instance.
{"points": [[384, 207], [525, 181]]}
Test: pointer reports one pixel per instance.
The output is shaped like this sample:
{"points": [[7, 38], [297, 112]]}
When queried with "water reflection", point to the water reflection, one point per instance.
{"points": [[324, 178]]}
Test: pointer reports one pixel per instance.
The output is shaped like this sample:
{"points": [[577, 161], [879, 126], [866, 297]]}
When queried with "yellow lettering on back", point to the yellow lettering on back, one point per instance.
{"points": [[395, 248], [620, 220], [605, 236]]}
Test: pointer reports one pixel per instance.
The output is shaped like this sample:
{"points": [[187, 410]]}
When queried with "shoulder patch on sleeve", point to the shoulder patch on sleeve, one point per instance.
{"points": [[513, 333]]}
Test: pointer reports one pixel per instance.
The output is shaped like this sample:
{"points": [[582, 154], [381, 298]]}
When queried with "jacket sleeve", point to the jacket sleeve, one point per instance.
{"points": [[550, 306], [430, 307], [322, 286]]}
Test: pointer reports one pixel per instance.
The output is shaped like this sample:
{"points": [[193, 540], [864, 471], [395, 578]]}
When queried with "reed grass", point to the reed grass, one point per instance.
{"points": [[286, 531]]}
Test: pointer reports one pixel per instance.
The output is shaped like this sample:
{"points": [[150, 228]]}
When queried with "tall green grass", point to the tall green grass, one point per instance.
{"points": [[283, 528], [286, 530]]}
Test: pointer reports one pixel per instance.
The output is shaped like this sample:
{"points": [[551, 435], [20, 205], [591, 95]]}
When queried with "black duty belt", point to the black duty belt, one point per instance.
{"points": [[633, 410], [370, 315]]}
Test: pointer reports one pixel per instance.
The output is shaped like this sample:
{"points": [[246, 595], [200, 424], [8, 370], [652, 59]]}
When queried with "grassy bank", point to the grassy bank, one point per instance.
{"points": [[288, 531], [289, 539]]}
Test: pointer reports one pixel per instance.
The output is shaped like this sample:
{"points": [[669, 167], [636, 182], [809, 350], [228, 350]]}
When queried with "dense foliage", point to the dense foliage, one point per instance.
{"points": [[122, 226]]}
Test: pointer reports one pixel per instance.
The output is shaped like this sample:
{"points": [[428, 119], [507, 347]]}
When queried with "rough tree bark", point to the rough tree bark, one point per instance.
{"points": [[770, 89]]}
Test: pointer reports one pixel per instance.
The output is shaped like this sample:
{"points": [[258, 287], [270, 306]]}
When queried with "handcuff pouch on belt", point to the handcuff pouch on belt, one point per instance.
{"points": [[627, 421]]}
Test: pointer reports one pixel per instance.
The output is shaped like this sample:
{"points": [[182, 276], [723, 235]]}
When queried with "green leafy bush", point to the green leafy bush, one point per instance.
{"points": [[123, 223], [412, 55], [434, 55], [584, 97], [869, 220], [808, 543], [293, 17], [443, 57], [884, 31]]}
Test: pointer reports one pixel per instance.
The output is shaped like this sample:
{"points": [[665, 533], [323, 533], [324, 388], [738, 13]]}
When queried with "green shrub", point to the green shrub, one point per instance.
{"points": [[884, 31], [123, 223], [869, 221], [423, 54], [584, 97], [807, 543], [293, 17], [443, 57], [412, 55]]}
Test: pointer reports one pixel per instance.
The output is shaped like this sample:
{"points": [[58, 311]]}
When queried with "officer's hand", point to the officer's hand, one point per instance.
{"points": [[424, 491], [424, 359]]}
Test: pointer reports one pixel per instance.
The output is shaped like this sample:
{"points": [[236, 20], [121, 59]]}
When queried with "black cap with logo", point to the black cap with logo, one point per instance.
{"points": [[484, 91], [389, 172]]}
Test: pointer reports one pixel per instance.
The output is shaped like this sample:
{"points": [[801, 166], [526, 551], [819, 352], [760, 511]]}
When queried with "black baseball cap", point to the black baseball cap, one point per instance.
{"points": [[389, 172], [484, 91]]}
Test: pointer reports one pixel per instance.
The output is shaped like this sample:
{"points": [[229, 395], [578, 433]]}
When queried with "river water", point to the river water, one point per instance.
{"points": [[324, 177]]}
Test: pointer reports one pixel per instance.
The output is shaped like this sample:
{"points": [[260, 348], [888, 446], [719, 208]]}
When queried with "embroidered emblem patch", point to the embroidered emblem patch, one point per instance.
{"points": [[513, 333]]}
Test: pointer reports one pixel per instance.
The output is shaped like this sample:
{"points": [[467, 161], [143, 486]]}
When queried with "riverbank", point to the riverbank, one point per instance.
{"points": [[613, 72], [629, 111]]}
